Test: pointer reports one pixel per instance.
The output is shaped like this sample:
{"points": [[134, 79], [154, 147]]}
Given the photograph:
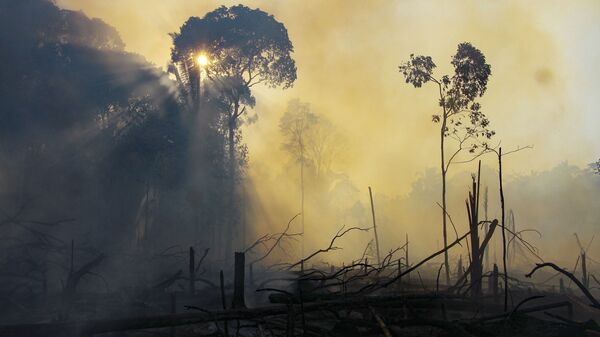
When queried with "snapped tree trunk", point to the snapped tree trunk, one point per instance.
{"points": [[584, 275], [495, 281], [473, 209], [375, 227], [238, 281], [192, 271]]}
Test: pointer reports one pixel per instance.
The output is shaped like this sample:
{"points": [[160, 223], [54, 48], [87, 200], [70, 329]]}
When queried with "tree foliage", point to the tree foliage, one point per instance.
{"points": [[461, 113], [310, 137], [82, 120], [244, 47], [242, 43]]}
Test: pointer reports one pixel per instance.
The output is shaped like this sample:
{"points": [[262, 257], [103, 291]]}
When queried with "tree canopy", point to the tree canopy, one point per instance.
{"points": [[461, 113], [239, 42]]}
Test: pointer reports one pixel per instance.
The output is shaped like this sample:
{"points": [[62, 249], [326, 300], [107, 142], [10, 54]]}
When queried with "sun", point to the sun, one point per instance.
{"points": [[202, 60]]}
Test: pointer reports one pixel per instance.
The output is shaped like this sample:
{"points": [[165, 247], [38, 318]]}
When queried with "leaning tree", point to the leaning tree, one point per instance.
{"points": [[234, 49], [460, 118]]}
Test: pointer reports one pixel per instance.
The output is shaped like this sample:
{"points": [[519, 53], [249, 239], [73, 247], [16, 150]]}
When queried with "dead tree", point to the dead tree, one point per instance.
{"points": [[459, 267], [494, 279], [584, 276], [503, 231], [486, 240], [486, 254], [582, 251], [192, 270], [406, 257], [502, 207], [238, 281], [374, 226], [472, 211], [72, 282]]}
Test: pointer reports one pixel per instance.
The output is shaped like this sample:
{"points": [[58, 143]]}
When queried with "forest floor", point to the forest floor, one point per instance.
{"points": [[422, 308]]}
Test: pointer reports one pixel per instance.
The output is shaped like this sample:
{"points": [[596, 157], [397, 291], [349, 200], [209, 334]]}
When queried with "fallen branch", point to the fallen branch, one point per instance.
{"points": [[529, 310], [341, 232], [375, 286], [84, 328], [583, 289], [287, 228], [381, 323]]}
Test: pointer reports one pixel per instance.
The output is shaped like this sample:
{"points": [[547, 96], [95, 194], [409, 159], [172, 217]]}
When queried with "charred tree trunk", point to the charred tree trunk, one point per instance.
{"points": [[473, 209], [173, 310], [406, 258], [584, 275], [192, 271], [238, 281], [223, 300], [375, 227], [486, 254], [495, 281], [503, 230]]}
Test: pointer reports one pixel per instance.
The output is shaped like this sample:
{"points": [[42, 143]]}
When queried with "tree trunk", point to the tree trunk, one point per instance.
{"points": [[503, 231], [473, 208], [486, 251], [444, 216], [406, 258], [238, 281], [584, 275], [375, 227], [302, 196], [192, 271], [229, 241], [495, 281]]}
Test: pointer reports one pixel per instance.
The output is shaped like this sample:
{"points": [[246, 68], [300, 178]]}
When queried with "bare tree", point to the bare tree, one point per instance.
{"points": [[460, 118]]}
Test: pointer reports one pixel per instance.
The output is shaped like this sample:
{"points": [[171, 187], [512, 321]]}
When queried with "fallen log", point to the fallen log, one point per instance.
{"points": [[87, 328], [529, 310]]}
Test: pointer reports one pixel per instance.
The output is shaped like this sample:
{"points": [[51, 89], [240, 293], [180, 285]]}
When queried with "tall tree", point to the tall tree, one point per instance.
{"points": [[238, 48], [315, 143], [296, 122], [460, 118]]}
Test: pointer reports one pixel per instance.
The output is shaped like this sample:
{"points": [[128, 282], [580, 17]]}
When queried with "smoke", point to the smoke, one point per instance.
{"points": [[347, 55]]}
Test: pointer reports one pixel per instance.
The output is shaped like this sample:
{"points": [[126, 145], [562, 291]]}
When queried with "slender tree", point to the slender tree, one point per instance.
{"points": [[460, 118], [296, 122]]}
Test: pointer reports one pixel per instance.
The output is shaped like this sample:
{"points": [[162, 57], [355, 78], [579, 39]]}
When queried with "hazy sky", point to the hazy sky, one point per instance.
{"points": [[544, 55]]}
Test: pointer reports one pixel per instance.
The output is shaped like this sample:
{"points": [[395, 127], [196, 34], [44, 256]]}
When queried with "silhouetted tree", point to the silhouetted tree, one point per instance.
{"points": [[87, 127], [244, 47], [460, 118]]}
